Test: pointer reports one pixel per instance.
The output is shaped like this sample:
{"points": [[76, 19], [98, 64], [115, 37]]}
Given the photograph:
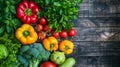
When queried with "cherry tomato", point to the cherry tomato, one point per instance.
{"points": [[42, 20], [48, 64], [41, 35], [46, 28], [55, 34], [63, 34], [39, 27], [72, 32]]}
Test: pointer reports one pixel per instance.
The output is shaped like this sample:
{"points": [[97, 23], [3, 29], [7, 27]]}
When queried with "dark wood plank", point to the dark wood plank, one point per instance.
{"points": [[97, 22], [97, 34], [97, 43], [97, 61], [100, 8], [96, 49]]}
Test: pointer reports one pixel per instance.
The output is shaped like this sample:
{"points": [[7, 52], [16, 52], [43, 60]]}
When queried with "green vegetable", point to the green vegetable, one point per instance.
{"points": [[12, 46], [59, 13], [31, 55], [3, 52], [69, 62], [57, 57], [22, 62], [8, 20]]}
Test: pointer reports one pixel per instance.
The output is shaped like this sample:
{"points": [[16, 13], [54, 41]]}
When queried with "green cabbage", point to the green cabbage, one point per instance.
{"points": [[57, 57]]}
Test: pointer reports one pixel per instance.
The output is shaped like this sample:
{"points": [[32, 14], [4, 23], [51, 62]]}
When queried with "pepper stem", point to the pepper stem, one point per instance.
{"points": [[26, 33], [51, 47], [28, 12], [66, 47]]}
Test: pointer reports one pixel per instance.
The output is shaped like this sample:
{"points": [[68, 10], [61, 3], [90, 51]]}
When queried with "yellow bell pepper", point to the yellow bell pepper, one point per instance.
{"points": [[26, 34], [66, 46], [50, 43]]}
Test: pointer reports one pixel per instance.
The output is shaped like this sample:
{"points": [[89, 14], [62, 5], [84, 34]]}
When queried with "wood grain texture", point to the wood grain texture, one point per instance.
{"points": [[97, 43]]}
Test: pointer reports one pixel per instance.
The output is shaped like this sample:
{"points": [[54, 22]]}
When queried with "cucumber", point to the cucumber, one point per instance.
{"points": [[69, 62]]}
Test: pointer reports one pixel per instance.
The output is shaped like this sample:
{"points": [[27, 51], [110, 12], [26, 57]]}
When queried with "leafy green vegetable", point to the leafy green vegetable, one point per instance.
{"points": [[3, 52], [8, 20], [32, 55], [12, 46], [59, 13]]}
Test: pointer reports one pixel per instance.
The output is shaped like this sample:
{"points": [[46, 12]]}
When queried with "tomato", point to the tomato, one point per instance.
{"points": [[72, 32], [42, 21], [55, 34], [39, 27], [41, 35], [46, 28], [48, 64], [63, 34]]}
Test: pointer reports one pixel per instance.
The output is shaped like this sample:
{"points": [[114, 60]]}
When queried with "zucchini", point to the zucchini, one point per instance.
{"points": [[69, 62]]}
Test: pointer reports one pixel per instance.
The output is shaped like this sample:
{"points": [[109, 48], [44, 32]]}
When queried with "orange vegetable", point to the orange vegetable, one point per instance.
{"points": [[66, 46], [50, 43], [26, 34]]}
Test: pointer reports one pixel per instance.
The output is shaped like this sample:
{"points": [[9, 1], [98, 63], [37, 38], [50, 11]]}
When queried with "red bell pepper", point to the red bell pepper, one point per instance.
{"points": [[27, 12]]}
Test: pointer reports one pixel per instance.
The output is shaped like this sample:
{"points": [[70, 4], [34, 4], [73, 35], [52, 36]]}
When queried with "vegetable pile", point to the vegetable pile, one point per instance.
{"points": [[35, 33]]}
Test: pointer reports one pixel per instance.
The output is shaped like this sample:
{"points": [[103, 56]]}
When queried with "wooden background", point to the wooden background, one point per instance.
{"points": [[97, 43]]}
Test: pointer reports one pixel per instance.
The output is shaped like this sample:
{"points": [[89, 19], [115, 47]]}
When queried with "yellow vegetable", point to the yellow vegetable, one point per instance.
{"points": [[26, 34], [66, 46], [50, 43]]}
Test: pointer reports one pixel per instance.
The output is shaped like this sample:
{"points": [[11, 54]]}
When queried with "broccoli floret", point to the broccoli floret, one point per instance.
{"points": [[27, 56], [34, 54], [24, 49], [22, 61], [34, 62], [45, 55]]}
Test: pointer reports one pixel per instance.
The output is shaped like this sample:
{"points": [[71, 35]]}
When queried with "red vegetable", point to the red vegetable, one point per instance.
{"points": [[27, 12], [48, 64], [55, 34], [46, 28], [63, 34], [41, 35], [72, 32], [39, 27], [42, 21]]}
